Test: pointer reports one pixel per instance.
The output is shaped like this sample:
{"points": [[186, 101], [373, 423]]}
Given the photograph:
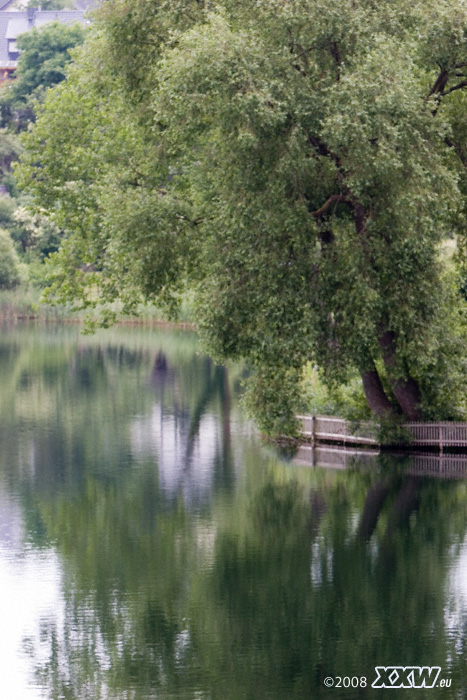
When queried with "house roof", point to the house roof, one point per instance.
{"points": [[16, 26]]}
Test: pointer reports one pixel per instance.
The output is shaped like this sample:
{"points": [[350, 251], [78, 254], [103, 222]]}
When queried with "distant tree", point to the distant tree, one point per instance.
{"points": [[10, 149], [44, 55], [45, 52], [38, 236], [9, 262]]}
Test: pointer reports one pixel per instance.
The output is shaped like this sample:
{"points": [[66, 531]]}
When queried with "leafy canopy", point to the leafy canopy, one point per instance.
{"points": [[297, 163]]}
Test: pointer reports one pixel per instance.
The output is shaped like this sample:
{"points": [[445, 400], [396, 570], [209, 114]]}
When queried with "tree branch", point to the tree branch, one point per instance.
{"points": [[335, 53], [457, 148], [459, 86], [303, 52], [333, 199], [440, 83], [439, 86], [323, 150]]}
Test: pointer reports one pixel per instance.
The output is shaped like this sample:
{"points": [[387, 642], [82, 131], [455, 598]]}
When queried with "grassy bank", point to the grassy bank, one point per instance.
{"points": [[24, 303], [20, 303]]}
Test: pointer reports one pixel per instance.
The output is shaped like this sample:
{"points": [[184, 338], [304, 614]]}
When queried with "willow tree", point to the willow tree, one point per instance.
{"points": [[296, 162]]}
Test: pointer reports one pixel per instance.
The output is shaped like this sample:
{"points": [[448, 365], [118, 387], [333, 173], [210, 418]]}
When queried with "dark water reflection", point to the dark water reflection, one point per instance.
{"points": [[151, 547]]}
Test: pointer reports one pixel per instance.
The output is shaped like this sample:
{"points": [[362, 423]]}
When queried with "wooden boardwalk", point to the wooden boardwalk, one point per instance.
{"points": [[437, 436]]}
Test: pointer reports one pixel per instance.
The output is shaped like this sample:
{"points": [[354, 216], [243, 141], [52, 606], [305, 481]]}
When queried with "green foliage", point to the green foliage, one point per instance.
{"points": [[34, 235], [345, 400], [272, 396], [39, 235], [9, 262], [10, 149], [45, 52], [7, 208], [391, 431], [44, 55], [297, 164]]}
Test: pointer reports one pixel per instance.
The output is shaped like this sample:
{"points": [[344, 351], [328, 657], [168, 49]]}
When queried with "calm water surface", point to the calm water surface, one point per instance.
{"points": [[152, 547]]}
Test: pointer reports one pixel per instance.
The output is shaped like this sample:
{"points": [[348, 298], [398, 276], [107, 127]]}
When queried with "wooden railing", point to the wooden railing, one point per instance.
{"points": [[331, 429], [438, 434]]}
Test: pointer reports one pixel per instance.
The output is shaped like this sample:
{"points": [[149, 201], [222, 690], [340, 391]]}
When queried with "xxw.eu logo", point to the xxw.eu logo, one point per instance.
{"points": [[408, 677]]}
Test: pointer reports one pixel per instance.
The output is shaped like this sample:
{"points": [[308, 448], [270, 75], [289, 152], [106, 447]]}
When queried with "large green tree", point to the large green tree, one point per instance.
{"points": [[297, 163]]}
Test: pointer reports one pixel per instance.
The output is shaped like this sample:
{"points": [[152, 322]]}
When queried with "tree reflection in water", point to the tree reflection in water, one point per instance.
{"points": [[263, 595], [194, 563]]}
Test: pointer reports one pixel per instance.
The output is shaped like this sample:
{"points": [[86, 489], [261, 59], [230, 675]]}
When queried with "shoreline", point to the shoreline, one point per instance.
{"points": [[17, 316]]}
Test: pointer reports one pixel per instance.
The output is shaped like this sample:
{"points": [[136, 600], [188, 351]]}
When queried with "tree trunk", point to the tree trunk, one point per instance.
{"points": [[374, 501], [405, 503], [406, 390], [374, 391]]}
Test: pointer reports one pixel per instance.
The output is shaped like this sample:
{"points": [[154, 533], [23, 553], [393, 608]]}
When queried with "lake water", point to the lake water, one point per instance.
{"points": [[152, 546]]}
